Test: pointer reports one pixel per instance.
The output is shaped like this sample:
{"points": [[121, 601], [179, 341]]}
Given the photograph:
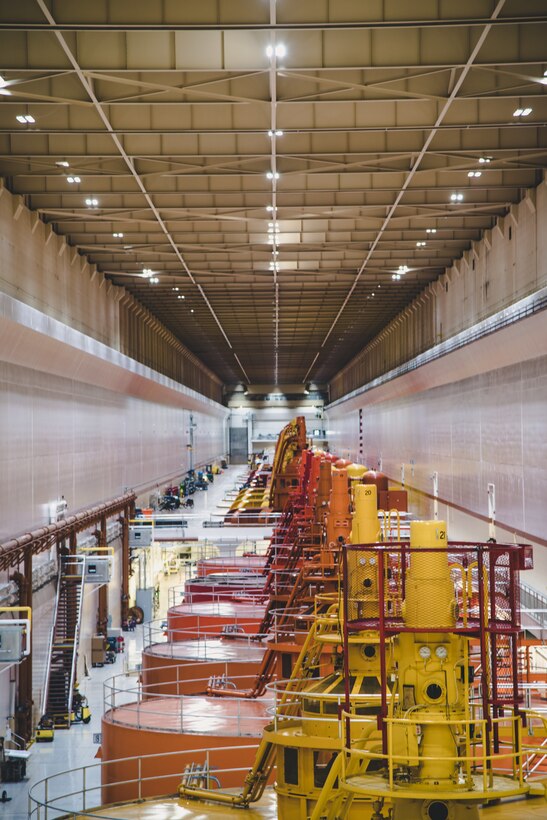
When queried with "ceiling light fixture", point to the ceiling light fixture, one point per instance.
{"points": [[181, 296], [271, 208], [191, 310], [146, 272], [5, 91], [24, 118], [474, 173], [280, 50], [175, 289], [71, 180], [395, 275], [431, 230], [62, 163], [277, 133], [420, 244], [456, 197], [154, 280], [485, 159], [271, 175], [402, 269], [118, 235], [92, 203], [2, 82], [522, 112]]}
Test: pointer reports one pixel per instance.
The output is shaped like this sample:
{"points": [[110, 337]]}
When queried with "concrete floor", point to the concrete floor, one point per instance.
{"points": [[78, 746]]}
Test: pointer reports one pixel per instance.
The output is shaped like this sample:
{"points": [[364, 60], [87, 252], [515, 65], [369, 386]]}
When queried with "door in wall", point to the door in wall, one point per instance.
{"points": [[238, 445]]}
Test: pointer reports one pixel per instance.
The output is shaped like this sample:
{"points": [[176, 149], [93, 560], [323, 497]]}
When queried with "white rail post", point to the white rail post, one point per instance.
{"points": [[435, 478], [492, 510]]}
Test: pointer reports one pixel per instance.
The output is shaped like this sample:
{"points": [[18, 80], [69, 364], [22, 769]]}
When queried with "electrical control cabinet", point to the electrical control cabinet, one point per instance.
{"points": [[140, 535], [13, 641]]}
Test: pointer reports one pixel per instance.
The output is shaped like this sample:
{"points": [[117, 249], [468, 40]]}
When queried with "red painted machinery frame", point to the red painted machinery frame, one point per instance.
{"points": [[487, 626]]}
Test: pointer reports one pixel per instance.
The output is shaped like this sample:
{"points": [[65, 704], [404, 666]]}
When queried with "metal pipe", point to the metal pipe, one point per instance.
{"points": [[42, 532]]}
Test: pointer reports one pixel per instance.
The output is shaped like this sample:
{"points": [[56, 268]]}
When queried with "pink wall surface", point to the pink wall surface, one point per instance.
{"points": [[490, 428]]}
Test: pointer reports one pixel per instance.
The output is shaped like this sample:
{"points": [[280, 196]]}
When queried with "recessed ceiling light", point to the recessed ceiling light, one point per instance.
{"points": [[280, 50]]}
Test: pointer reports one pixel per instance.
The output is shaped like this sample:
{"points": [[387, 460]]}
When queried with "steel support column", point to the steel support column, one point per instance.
{"points": [[23, 703], [124, 522], [102, 610]]}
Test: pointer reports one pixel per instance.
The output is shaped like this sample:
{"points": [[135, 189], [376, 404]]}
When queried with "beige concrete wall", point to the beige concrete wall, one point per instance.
{"points": [[509, 263], [38, 268]]}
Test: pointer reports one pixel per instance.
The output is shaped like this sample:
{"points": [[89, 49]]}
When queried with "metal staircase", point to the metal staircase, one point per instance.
{"points": [[63, 650], [533, 611]]}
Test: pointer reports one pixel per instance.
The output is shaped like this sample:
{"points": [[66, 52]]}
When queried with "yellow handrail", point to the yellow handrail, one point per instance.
{"points": [[472, 759]]}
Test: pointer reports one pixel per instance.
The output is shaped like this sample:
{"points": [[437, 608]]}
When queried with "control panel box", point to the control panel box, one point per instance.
{"points": [[96, 569], [141, 535], [13, 641]]}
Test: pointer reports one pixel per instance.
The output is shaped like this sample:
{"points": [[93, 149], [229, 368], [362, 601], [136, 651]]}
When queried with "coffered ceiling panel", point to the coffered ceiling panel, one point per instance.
{"points": [[275, 181]]}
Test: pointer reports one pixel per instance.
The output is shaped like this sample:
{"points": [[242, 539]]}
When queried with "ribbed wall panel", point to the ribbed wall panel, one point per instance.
{"points": [[62, 437], [507, 265], [491, 428]]}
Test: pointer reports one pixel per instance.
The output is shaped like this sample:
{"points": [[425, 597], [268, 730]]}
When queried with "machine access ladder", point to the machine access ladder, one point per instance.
{"points": [[65, 634]]}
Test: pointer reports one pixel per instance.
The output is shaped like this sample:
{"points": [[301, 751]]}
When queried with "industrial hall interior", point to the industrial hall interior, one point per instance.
{"points": [[273, 409]]}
